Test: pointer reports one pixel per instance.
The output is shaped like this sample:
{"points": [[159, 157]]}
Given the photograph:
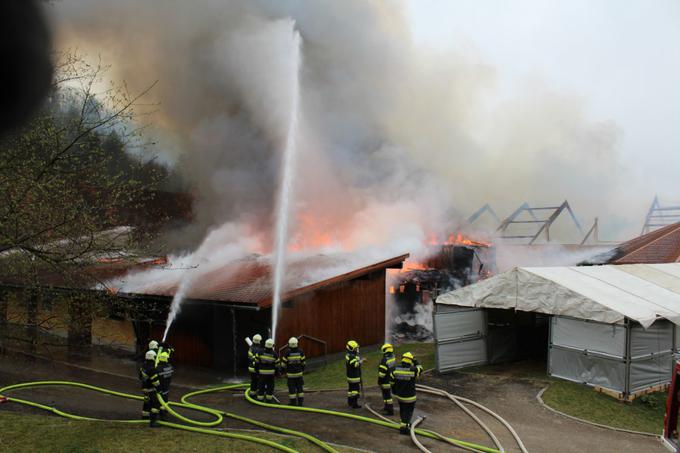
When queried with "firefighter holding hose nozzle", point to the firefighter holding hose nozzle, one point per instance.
{"points": [[353, 371], [267, 363], [293, 362], [403, 379], [148, 376], [254, 349]]}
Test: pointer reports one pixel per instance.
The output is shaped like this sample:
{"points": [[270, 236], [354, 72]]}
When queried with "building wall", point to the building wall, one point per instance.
{"points": [[353, 310]]}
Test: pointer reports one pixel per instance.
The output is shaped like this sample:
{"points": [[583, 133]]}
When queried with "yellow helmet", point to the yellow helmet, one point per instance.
{"points": [[387, 348], [352, 345], [163, 356], [407, 357]]}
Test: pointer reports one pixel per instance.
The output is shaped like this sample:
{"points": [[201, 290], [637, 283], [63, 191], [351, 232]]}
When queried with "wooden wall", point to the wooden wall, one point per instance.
{"points": [[353, 310]]}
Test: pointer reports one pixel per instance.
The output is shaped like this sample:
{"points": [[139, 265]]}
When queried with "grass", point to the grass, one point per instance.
{"points": [[332, 376], [30, 433], [646, 413]]}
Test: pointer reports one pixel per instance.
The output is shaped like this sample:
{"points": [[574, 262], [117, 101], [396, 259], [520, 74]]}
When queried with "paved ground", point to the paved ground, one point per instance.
{"points": [[512, 398]]}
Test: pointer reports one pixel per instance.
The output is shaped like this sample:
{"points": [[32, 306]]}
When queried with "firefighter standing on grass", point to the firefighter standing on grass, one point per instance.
{"points": [[293, 362], [165, 372], [353, 371], [148, 375], [267, 362], [403, 379], [387, 364], [253, 351]]}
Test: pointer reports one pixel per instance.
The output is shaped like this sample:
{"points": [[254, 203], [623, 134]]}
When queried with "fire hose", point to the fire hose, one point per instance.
{"points": [[436, 434], [415, 440], [391, 425], [201, 428], [460, 399]]}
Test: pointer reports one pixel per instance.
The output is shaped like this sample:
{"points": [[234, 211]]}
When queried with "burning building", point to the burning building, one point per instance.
{"points": [[324, 302], [457, 262]]}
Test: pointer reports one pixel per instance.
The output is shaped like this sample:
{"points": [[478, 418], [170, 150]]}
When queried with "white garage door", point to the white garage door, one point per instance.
{"points": [[460, 337]]}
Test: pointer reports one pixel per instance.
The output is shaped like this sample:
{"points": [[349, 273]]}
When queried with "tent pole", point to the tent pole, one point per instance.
{"points": [[626, 390]]}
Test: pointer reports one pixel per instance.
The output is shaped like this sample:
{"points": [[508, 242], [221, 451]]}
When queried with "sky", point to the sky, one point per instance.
{"points": [[621, 57]]}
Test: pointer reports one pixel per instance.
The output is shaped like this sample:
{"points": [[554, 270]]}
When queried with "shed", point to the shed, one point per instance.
{"points": [[611, 326], [327, 299]]}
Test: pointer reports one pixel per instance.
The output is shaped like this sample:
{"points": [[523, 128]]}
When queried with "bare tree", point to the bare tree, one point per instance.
{"points": [[70, 187]]}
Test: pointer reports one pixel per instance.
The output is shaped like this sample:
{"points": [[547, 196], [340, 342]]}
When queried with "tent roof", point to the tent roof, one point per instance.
{"points": [[609, 293]]}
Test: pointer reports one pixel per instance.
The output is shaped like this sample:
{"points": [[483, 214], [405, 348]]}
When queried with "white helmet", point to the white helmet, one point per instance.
{"points": [[269, 343], [293, 342], [257, 338], [153, 344], [150, 355]]}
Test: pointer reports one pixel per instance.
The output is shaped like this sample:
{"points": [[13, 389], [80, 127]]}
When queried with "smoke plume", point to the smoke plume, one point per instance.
{"points": [[396, 141]]}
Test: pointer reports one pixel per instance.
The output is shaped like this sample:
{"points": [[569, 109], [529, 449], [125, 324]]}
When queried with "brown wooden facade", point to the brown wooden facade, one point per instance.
{"points": [[351, 310]]}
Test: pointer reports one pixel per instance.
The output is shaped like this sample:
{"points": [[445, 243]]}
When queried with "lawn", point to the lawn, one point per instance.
{"points": [[332, 376], [30, 433], [645, 414]]}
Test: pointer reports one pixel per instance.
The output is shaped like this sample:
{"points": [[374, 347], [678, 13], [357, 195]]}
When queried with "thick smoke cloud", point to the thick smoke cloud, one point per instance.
{"points": [[395, 139]]}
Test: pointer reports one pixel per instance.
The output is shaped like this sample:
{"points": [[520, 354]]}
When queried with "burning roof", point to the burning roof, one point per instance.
{"points": [[249, 280]]}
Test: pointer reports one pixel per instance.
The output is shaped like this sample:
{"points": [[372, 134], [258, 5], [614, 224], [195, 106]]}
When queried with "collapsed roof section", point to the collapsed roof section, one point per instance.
{"points": [[659, 216], [542, 218], [609, 294]]}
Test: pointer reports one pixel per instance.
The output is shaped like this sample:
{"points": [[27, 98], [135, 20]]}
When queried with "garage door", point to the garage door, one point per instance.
{"points": [[460, 337]]}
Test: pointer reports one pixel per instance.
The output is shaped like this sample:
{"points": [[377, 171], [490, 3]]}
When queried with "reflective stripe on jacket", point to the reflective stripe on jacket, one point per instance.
{"points": [[387, 364], [267, 361], [148, 375], [294, 362], [353, 367], [403, 379], [253, 351]]}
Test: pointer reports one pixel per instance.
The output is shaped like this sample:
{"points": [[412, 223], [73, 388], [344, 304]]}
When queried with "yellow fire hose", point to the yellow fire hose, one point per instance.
{"points": [[197, 429], [203, 427]]}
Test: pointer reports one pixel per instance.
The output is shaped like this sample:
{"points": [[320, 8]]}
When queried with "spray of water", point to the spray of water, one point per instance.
{"points": [[286, 183]]}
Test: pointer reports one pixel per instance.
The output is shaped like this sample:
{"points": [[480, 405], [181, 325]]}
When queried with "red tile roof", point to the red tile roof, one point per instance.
{"points": [[659, 246], [249, 280]]}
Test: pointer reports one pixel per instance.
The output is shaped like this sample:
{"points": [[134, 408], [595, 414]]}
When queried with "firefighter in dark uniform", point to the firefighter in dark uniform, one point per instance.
{"points": [[293, 362], [165, 371], [148, 375], [267, 362], [403, 379], [387, 364], [253, 351], [353, 371]]}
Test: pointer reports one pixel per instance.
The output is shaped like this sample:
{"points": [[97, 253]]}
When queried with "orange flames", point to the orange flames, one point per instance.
{"points": [[311, 234]]}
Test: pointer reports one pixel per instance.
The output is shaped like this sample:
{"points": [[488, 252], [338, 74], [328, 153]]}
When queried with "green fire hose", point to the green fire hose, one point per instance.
{"points": [[197, 429], [369, 420], [203, 427]]}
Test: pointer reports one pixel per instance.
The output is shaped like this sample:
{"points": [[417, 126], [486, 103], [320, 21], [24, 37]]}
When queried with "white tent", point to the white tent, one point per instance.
{"points": [[610, 326]]}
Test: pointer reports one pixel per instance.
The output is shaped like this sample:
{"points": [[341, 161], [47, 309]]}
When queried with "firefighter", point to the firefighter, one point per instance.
{"points": [[253, 351], [353, 370], [267, 362], [294, 366], [403, 379], [165, 371], [148, 375], [387, 364]]}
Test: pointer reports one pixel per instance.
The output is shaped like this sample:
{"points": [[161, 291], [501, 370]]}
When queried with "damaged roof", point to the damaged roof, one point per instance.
{"points": [[659, 246], [249, 280]]}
